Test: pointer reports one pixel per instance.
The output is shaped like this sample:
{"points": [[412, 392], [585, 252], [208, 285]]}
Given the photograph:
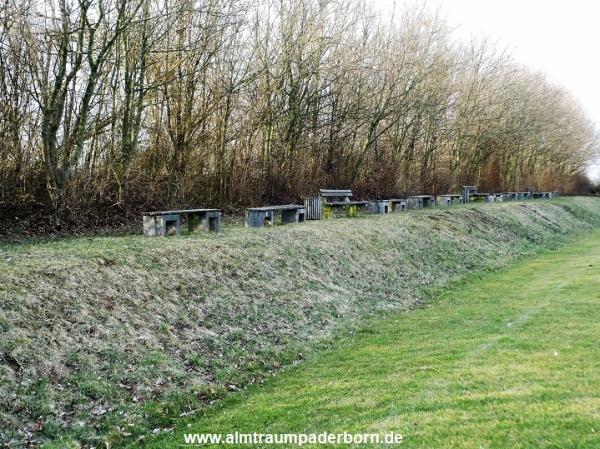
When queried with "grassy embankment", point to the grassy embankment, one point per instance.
{"points": [[105, 339], [508, 361]]}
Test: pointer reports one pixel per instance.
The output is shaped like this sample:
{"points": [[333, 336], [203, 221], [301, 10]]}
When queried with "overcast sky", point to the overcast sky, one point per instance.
{"points": [[559, 37]]}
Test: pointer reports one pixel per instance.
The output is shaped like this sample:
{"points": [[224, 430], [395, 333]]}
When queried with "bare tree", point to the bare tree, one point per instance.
{"points": [[235, 102]]}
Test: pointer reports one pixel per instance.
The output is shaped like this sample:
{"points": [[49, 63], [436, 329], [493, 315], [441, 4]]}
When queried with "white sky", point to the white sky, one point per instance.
{"points": [[559, 37]]}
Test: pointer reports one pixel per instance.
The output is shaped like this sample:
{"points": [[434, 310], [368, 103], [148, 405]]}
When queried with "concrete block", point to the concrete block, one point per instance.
{"points": [[205, 221], [380, 207], [413, 202], [398, 205], [161, 225]]}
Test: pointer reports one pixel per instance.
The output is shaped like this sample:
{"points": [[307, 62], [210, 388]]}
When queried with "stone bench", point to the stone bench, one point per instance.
{"points": [[340, 200], [398, 204], [483, 197], [257, 217], [524, 195], [380, 207], [420, 201], [448, 199], [163, 223]]}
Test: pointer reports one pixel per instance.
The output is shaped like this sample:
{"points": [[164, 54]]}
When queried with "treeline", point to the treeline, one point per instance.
{"points": [[229, 103]]}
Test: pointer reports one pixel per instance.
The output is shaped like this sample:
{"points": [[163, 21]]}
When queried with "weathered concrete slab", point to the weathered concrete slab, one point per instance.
{"points": [[398, 204], [257, 217], [448, 199], [205, 221], [380, 207], [420, 201], [161, 225]]}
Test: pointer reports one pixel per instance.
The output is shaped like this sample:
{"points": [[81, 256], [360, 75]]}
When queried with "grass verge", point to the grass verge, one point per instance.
{"points": [[103, 340], [507, 361]]}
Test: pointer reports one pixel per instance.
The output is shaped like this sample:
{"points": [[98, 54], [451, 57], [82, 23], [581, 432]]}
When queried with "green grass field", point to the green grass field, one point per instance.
{"points": [[510, 360], [103, 340]]}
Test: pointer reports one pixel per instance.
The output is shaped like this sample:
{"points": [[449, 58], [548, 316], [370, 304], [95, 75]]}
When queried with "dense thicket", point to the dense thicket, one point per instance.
{"points": [[229, 102]]}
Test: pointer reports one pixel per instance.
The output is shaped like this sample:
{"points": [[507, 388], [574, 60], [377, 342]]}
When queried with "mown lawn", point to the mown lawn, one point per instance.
{"points": [[511, 360]]}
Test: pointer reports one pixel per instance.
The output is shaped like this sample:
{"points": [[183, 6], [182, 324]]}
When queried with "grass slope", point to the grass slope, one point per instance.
{"points": [[108, 338], [508, 361]]}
